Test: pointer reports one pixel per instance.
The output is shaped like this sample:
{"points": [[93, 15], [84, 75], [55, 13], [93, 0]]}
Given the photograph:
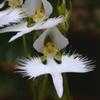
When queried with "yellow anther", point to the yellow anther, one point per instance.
{"points": [[15, 3], [39, 14], [50, 49]]}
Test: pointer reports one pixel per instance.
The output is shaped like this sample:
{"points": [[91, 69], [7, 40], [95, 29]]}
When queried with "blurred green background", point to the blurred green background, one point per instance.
{"points": [[84, 37]]}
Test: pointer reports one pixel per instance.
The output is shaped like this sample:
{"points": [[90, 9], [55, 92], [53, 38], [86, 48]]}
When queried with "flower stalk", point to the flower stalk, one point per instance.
{"points": [[25, 46]]}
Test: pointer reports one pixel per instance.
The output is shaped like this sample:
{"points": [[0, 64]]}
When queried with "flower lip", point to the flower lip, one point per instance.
{"points": [[73, 63]]}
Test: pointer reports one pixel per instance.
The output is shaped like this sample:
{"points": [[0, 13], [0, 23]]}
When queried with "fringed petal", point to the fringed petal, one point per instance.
{"points": [[49, 23], [10, 16]]}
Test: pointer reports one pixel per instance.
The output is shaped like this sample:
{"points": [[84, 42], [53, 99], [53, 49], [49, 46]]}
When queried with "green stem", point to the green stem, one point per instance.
{"points": [[67, 95], [42, 92], [64, 3], [25, 47]]}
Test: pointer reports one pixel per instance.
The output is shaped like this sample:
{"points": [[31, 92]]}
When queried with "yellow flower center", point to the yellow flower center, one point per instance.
{"points": [[15, 3], [39, 14], [50, 49]]}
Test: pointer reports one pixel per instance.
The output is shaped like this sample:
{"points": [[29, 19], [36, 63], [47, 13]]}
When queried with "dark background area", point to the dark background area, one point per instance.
{"points": [[84, 38]]}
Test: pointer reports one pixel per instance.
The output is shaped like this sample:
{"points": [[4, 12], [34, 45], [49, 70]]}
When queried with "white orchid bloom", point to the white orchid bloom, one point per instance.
{"points": [[22, 28], [36, 9], [33, 68], [31, 6], [10, 16]]}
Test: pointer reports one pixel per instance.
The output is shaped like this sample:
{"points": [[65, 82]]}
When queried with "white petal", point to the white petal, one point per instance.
{"points": [[4, 12], [58, 83], [75, 64], [11, 17], [17, 35], [39, 43], [58, 38], [31, 67], [49, 23], [30, 6], [20, 28], [15, 28], [2, 4], [48, 8]]}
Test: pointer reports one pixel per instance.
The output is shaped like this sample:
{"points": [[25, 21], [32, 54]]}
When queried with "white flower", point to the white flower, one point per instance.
{"points": [[33, 68], [38, 10], [56, 37], [10, 16], [29, 8]]}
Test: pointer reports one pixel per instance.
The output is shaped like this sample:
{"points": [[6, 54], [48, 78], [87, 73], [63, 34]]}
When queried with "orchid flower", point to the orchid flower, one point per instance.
{"points": [[33, 68], [32, 8]]}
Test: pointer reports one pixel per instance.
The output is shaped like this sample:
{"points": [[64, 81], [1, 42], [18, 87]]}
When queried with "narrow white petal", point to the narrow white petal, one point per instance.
{"points": [[58, 83], [39, 43], [2, 4], [19, 34], [11, 17], [58, 38], [16, 36], [49, 23], [4, 12], [48, 8], [30, 6], [15, 28]]}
